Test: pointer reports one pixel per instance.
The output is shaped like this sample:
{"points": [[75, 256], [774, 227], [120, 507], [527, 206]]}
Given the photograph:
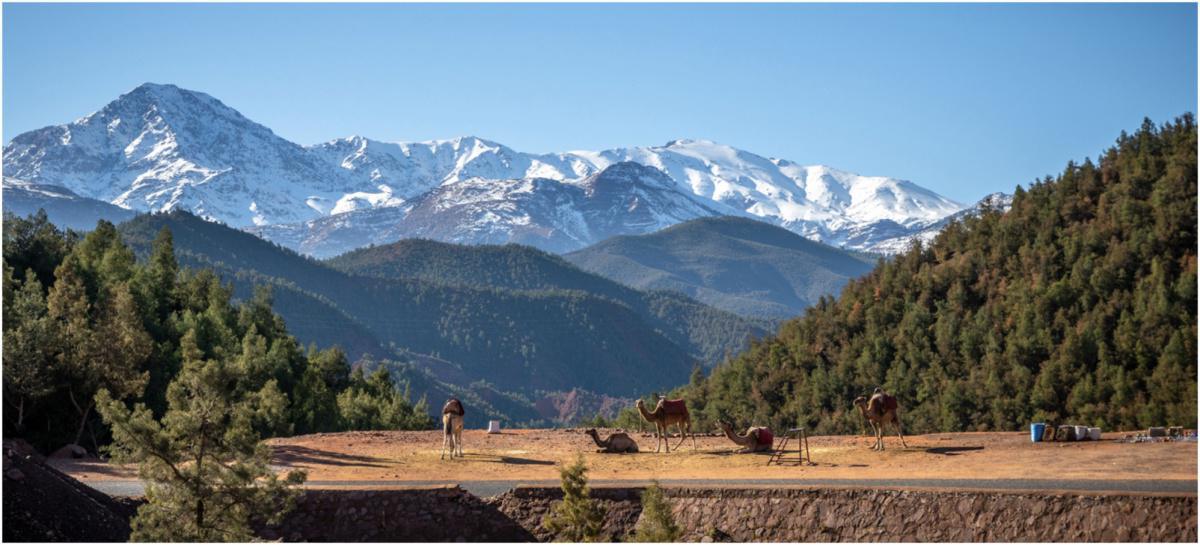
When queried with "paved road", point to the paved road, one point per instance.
{"points": [[491, 488]]}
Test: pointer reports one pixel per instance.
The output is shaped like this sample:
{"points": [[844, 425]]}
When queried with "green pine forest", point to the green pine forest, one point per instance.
{"points": [[82, 315], [1077, 306]]}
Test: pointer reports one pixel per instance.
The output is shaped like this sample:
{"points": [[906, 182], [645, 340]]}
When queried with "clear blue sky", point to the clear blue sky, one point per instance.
{"points": [[963, 99]]}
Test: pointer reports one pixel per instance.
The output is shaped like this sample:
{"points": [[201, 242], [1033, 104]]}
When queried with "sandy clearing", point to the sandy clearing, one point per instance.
{"points": [[536, 455]]}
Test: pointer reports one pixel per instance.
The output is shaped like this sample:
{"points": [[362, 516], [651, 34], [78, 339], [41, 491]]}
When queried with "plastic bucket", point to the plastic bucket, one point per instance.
{"points": [[1065, 433], [493, 426], [1049, 434], [1081, 433], [1094, 434], [1036, 430]]}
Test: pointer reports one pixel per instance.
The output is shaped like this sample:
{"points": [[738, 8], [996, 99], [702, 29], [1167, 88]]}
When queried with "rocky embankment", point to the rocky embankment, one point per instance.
{"points": [[43, 504]]}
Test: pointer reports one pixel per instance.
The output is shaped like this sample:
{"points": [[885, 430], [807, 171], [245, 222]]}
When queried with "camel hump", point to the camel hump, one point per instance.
{"points": [[885, 401], [764, 436], [674, 406], [454, 406]]}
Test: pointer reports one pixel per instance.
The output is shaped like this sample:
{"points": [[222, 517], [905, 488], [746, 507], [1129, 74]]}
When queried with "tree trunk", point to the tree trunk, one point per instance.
{"points": [[83, 423], [21, 415], [95, 443]]}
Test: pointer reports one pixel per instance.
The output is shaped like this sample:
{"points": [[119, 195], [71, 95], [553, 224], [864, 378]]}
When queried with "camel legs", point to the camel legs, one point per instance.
{"points": [[900, 432], [660, 437], [683, 436], [452, 436], [877, 428]]}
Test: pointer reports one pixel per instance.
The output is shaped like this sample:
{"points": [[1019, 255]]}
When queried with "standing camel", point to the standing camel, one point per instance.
{"points": [[756, 439], [618, 443], [666, 413], [880, 410], [452, 427]]}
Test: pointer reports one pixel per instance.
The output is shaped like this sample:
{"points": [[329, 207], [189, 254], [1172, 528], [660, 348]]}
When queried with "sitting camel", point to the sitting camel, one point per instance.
{"points": [[756, 439], [880, 410], [666, 413], [617, 443], [452, 427]]}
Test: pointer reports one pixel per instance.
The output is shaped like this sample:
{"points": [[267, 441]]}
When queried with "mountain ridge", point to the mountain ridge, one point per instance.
{"points": [[160, 147], [737, 264]]}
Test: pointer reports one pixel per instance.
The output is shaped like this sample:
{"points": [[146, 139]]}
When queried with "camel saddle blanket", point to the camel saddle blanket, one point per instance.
{"points": [[454, 406], [673, 406], [886, 401], [764, 436]]}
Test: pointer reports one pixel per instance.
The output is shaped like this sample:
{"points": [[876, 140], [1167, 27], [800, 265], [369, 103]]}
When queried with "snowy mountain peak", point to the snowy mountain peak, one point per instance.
{"points": [[160, 147]]}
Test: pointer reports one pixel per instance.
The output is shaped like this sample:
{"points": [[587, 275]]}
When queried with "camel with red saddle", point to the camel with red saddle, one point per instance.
{"points": [[881, 410], [666, 413], [756, 438]]}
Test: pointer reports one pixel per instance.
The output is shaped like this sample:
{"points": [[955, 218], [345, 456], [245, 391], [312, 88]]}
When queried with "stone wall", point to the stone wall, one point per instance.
{"points": [[747, 514], [897, 515], [764, 514], [374, 515], [528, 505]]}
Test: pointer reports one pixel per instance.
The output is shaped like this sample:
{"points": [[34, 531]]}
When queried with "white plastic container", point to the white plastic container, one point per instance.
{"points": [[493, 426], [1081, 433], [1094, 434]]}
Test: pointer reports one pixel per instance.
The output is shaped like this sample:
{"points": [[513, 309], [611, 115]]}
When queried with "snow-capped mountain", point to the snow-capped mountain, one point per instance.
{"points": [[926, 232], [816, 201], [160, 147], [624, 198]]}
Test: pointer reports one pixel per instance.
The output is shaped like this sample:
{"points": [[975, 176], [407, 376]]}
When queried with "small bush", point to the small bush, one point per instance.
{"points": [[657, 523], [577, 517]]}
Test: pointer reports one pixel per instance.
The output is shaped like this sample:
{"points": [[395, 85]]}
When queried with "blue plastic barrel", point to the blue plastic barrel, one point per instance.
{"points": [[1036, 430]]}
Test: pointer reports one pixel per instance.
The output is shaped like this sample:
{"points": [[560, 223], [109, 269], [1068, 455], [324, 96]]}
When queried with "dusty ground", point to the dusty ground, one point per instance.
{"points": [[535, 455]]}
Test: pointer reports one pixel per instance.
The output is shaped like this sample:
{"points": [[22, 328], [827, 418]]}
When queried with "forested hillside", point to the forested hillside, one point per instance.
{"points": [[737, 264], [81, 315], [1077, 305], [550, 340], [707, 333]]}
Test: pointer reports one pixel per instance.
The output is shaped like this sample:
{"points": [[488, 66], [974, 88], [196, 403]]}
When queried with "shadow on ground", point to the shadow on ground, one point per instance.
{"points": [[950, 451], [506, 460], [291, 455]]}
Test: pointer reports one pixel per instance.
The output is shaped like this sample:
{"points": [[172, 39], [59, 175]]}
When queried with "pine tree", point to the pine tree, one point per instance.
{"points": [[657, 522], [577, 518], [28, 345], [206, 470]]}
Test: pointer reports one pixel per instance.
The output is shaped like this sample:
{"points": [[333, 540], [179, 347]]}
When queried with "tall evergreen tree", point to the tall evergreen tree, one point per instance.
{"points": [[28, 345], [206, 469]]}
